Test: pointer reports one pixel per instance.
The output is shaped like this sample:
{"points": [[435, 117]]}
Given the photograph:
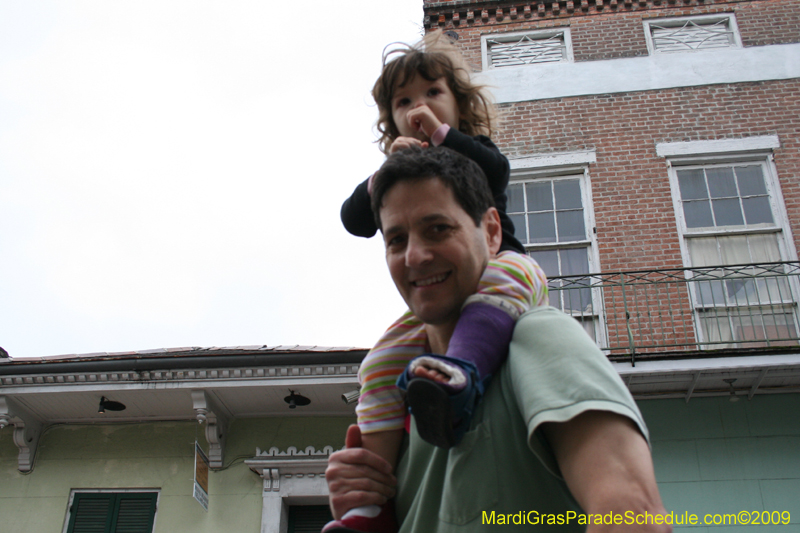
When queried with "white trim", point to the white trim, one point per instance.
{"points": [[535, 34], [692, 148], [690, 366], [565, 159], [659, 71], [716, 17], [289, 478]]}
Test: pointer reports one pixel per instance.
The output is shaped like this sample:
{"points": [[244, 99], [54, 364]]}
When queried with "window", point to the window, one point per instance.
{"points": [[112, 512], [518, 49], [732, 219], [308, 518], [553, 218], [687, 34]]}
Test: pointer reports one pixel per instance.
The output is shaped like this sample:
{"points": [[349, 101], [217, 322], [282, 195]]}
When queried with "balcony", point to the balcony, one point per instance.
{"points": [[686, 312]]}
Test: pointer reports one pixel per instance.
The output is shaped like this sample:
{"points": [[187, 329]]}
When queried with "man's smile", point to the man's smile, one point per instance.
{"points": [[438, 278]]}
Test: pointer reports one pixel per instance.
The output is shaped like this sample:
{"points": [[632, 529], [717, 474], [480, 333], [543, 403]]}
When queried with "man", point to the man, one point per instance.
{"points": [[556, 440]]}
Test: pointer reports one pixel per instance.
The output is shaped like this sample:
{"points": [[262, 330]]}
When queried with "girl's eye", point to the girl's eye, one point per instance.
{"points": [[401, 102]]}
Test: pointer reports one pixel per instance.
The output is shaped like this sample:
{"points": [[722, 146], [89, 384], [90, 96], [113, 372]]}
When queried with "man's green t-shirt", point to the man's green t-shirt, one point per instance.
{"points": [[503, 471]]}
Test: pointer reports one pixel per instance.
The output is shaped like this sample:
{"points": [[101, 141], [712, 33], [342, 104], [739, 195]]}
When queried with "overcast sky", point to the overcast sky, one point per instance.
{"points": [[171, 173]]}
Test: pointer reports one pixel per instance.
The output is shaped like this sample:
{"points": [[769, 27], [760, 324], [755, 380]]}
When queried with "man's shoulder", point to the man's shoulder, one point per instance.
{"points": [[546, 323]]}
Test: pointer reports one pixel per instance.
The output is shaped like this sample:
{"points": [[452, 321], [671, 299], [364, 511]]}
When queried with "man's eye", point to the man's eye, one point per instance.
{"points": [[395, 241], [440, 229]]}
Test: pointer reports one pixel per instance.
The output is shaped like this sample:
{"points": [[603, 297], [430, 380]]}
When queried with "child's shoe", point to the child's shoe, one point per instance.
{"points": [[442, 411], [369, 519]]}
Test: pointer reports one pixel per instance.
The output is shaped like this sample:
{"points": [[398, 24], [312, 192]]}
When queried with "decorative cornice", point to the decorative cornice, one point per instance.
{"points": [[148, 376], [274, 464], [454, 14]]}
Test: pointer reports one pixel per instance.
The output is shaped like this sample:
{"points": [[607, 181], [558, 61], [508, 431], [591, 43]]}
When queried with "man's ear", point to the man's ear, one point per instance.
{"points": [[493, 230]]}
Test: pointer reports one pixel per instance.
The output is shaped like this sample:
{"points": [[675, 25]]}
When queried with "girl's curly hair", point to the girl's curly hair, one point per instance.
{"points": [[434, 57]]}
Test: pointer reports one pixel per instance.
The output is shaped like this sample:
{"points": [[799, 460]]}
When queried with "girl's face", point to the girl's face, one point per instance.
{"points": [[418, 94]]}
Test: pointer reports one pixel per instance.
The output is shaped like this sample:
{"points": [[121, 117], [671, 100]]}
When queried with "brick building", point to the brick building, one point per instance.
{"points": [[655, 148]]}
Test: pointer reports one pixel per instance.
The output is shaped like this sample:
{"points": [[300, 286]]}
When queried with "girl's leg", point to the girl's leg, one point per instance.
{"points": [[381, 414], [511, 284]]}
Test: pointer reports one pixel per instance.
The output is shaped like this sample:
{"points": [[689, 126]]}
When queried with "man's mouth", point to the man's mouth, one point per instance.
{"points": [[438, 278]]}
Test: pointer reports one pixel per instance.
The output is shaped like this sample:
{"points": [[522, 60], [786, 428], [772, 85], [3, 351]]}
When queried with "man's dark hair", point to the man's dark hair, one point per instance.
{"points": [[458, 173]]}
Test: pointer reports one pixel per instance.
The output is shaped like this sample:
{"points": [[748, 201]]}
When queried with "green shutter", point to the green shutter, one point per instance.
{"points": [[134, 512], [109, 512]]}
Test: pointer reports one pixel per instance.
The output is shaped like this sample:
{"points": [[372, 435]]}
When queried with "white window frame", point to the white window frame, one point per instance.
{"points": [[535, 34], [753, 150], [698, 19], [563, 166], [291, 477]]}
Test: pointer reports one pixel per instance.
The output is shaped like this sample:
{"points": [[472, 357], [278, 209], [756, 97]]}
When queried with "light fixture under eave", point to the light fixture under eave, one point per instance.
{"points": [[111, 405], [295, 399], [351, 397], [733, 397]]}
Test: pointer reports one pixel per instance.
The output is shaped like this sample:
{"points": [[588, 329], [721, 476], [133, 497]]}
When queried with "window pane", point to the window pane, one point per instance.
{"points": [[721, 183], [574, 261], [568, 194], [764, 248], [519, 227], [698, 214], [692, 184], [757, 210], [703, 252], [734, 250], [516, 202], [548, 260], [728, 212], [751, 181], [570, 226], [540, 197], [542, 227]]}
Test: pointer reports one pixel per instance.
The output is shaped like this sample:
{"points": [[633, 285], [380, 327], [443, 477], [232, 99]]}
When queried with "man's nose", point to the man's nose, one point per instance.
{"points": [[417, 252]]}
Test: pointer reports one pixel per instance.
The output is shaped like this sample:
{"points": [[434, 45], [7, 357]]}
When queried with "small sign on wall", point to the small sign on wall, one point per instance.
{"points": [[200, 476]]}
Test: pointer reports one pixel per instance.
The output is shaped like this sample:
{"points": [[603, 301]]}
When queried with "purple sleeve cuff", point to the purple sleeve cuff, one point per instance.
{"points": [[438, 136]]}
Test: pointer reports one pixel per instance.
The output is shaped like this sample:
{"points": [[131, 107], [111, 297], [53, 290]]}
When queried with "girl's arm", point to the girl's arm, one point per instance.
{"points": [[357, 214], [483, 151]]}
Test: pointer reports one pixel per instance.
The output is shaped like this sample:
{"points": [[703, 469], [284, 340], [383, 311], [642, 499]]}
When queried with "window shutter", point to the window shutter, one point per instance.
{"points": [[308, 518], [90, 513], [109, 512], [135, 512]]}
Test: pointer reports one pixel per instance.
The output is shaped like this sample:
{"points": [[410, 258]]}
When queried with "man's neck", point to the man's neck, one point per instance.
{"points": [[439, 337]]}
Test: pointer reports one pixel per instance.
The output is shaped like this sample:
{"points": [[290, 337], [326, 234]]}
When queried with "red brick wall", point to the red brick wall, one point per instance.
{"points": [[635, 218], [613, 32]]}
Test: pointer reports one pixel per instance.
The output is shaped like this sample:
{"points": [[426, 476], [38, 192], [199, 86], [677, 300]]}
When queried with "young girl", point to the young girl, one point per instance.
{"points": [[425, 97]]}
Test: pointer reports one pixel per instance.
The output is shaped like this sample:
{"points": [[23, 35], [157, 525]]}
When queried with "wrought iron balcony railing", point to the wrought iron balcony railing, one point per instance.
{"points": [[649, 312]]}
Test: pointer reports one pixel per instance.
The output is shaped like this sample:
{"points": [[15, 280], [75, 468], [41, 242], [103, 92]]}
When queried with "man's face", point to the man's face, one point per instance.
{"points": [[436, 254]]}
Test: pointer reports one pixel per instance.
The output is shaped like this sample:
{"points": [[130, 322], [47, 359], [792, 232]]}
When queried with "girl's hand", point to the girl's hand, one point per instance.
{"points": [[404, 142], [423, 120]]}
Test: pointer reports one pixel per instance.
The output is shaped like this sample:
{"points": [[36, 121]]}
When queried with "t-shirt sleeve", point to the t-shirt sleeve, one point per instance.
{"points": [[558, 372]]}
